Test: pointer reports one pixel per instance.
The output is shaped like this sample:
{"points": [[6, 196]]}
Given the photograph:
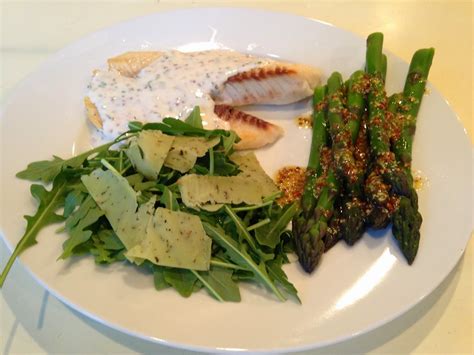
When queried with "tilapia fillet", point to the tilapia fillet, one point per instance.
{"points": [[253, 131], [147, 86], [276, 84]]}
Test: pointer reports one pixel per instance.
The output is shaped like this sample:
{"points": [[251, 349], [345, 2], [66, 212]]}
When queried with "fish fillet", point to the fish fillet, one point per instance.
{"points": [[253, 131], [130, 63], [92, 113], [279, 84], [270, 82]]}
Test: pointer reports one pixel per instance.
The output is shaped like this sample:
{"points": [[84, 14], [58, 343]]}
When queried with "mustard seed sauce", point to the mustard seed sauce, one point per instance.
{"points": [[305, 121], [419, 181], [290, 180]]}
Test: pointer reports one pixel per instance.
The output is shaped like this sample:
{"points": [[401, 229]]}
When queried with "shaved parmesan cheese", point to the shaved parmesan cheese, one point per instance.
{"points": [[185, 150], [112, 193], [148, 152], [199, 190], [250, 168], [174, 239], [118, 200]]}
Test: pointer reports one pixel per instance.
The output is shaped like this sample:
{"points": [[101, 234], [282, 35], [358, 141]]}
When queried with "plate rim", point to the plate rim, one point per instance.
{"points": [[55, 56]]}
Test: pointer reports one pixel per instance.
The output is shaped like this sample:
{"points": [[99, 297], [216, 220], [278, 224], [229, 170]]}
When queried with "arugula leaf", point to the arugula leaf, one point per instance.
{"points": [[101, 255], [241, 257], [159, 278], [168, 176], [73, 200], [223, 166], [47, 170], [229, 141], [135, 126], [169, 200], [184, 127], [277, 274], [218, 261], [286, 246], [182, 280], [218, 282], [144, 185], [49, 203], [175, 127], [270, 233], [199, 170], [104, 245], [87, 214], [110, 240], [134, 180], [239, 224], [194, 119], [44, 170]]}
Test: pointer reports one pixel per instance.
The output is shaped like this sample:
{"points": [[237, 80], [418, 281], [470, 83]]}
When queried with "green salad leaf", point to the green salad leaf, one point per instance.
{"points": [[47, 170], [133, 203], [219, 283], [49, 203], [269, 234], [240, 256], [169, 199], [194, 119], [183, 280], [87, 214]]}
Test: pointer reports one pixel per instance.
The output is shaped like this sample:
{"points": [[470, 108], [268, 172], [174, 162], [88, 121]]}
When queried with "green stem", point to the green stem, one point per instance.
{"points": [[211, 161], [258, 224], [241, 227], [234, 250], [273, 197], [220, 263], [252, 207], [207, 286]]}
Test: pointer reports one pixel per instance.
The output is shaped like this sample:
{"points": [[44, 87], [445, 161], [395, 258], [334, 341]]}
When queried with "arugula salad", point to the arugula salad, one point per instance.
{"points": [[172, 198]]}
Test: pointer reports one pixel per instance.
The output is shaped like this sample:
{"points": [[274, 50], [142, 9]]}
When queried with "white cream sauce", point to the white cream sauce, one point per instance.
{"points": [[171, 86]]}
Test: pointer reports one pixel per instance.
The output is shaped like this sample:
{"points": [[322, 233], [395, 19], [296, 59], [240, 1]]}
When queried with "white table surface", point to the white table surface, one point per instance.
{"points": [[32, 321]]}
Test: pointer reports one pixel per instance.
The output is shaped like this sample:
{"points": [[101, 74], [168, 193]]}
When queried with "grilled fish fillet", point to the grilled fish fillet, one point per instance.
{"points": [[130, 63], [273, 84], [253, 131], [269, 82]]}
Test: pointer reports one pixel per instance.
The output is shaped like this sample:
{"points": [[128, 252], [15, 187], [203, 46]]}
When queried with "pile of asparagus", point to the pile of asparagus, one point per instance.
{"points": [[359, 169]]}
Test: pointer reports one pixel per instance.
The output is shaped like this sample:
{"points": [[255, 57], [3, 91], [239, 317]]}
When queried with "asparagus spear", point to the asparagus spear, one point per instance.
{"points": [[384, 66], [377, 101], [407, 219], [386, 180], [382, 202], [353, 208], [406, 227], [309, 233], [357, 88], [348, 221], [309, 249], [310, 244], [413, 94], [344, 123], [318, 140]]}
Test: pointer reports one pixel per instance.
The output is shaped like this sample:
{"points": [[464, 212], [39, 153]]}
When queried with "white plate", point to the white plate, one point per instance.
{"points": [[353, 290]]}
